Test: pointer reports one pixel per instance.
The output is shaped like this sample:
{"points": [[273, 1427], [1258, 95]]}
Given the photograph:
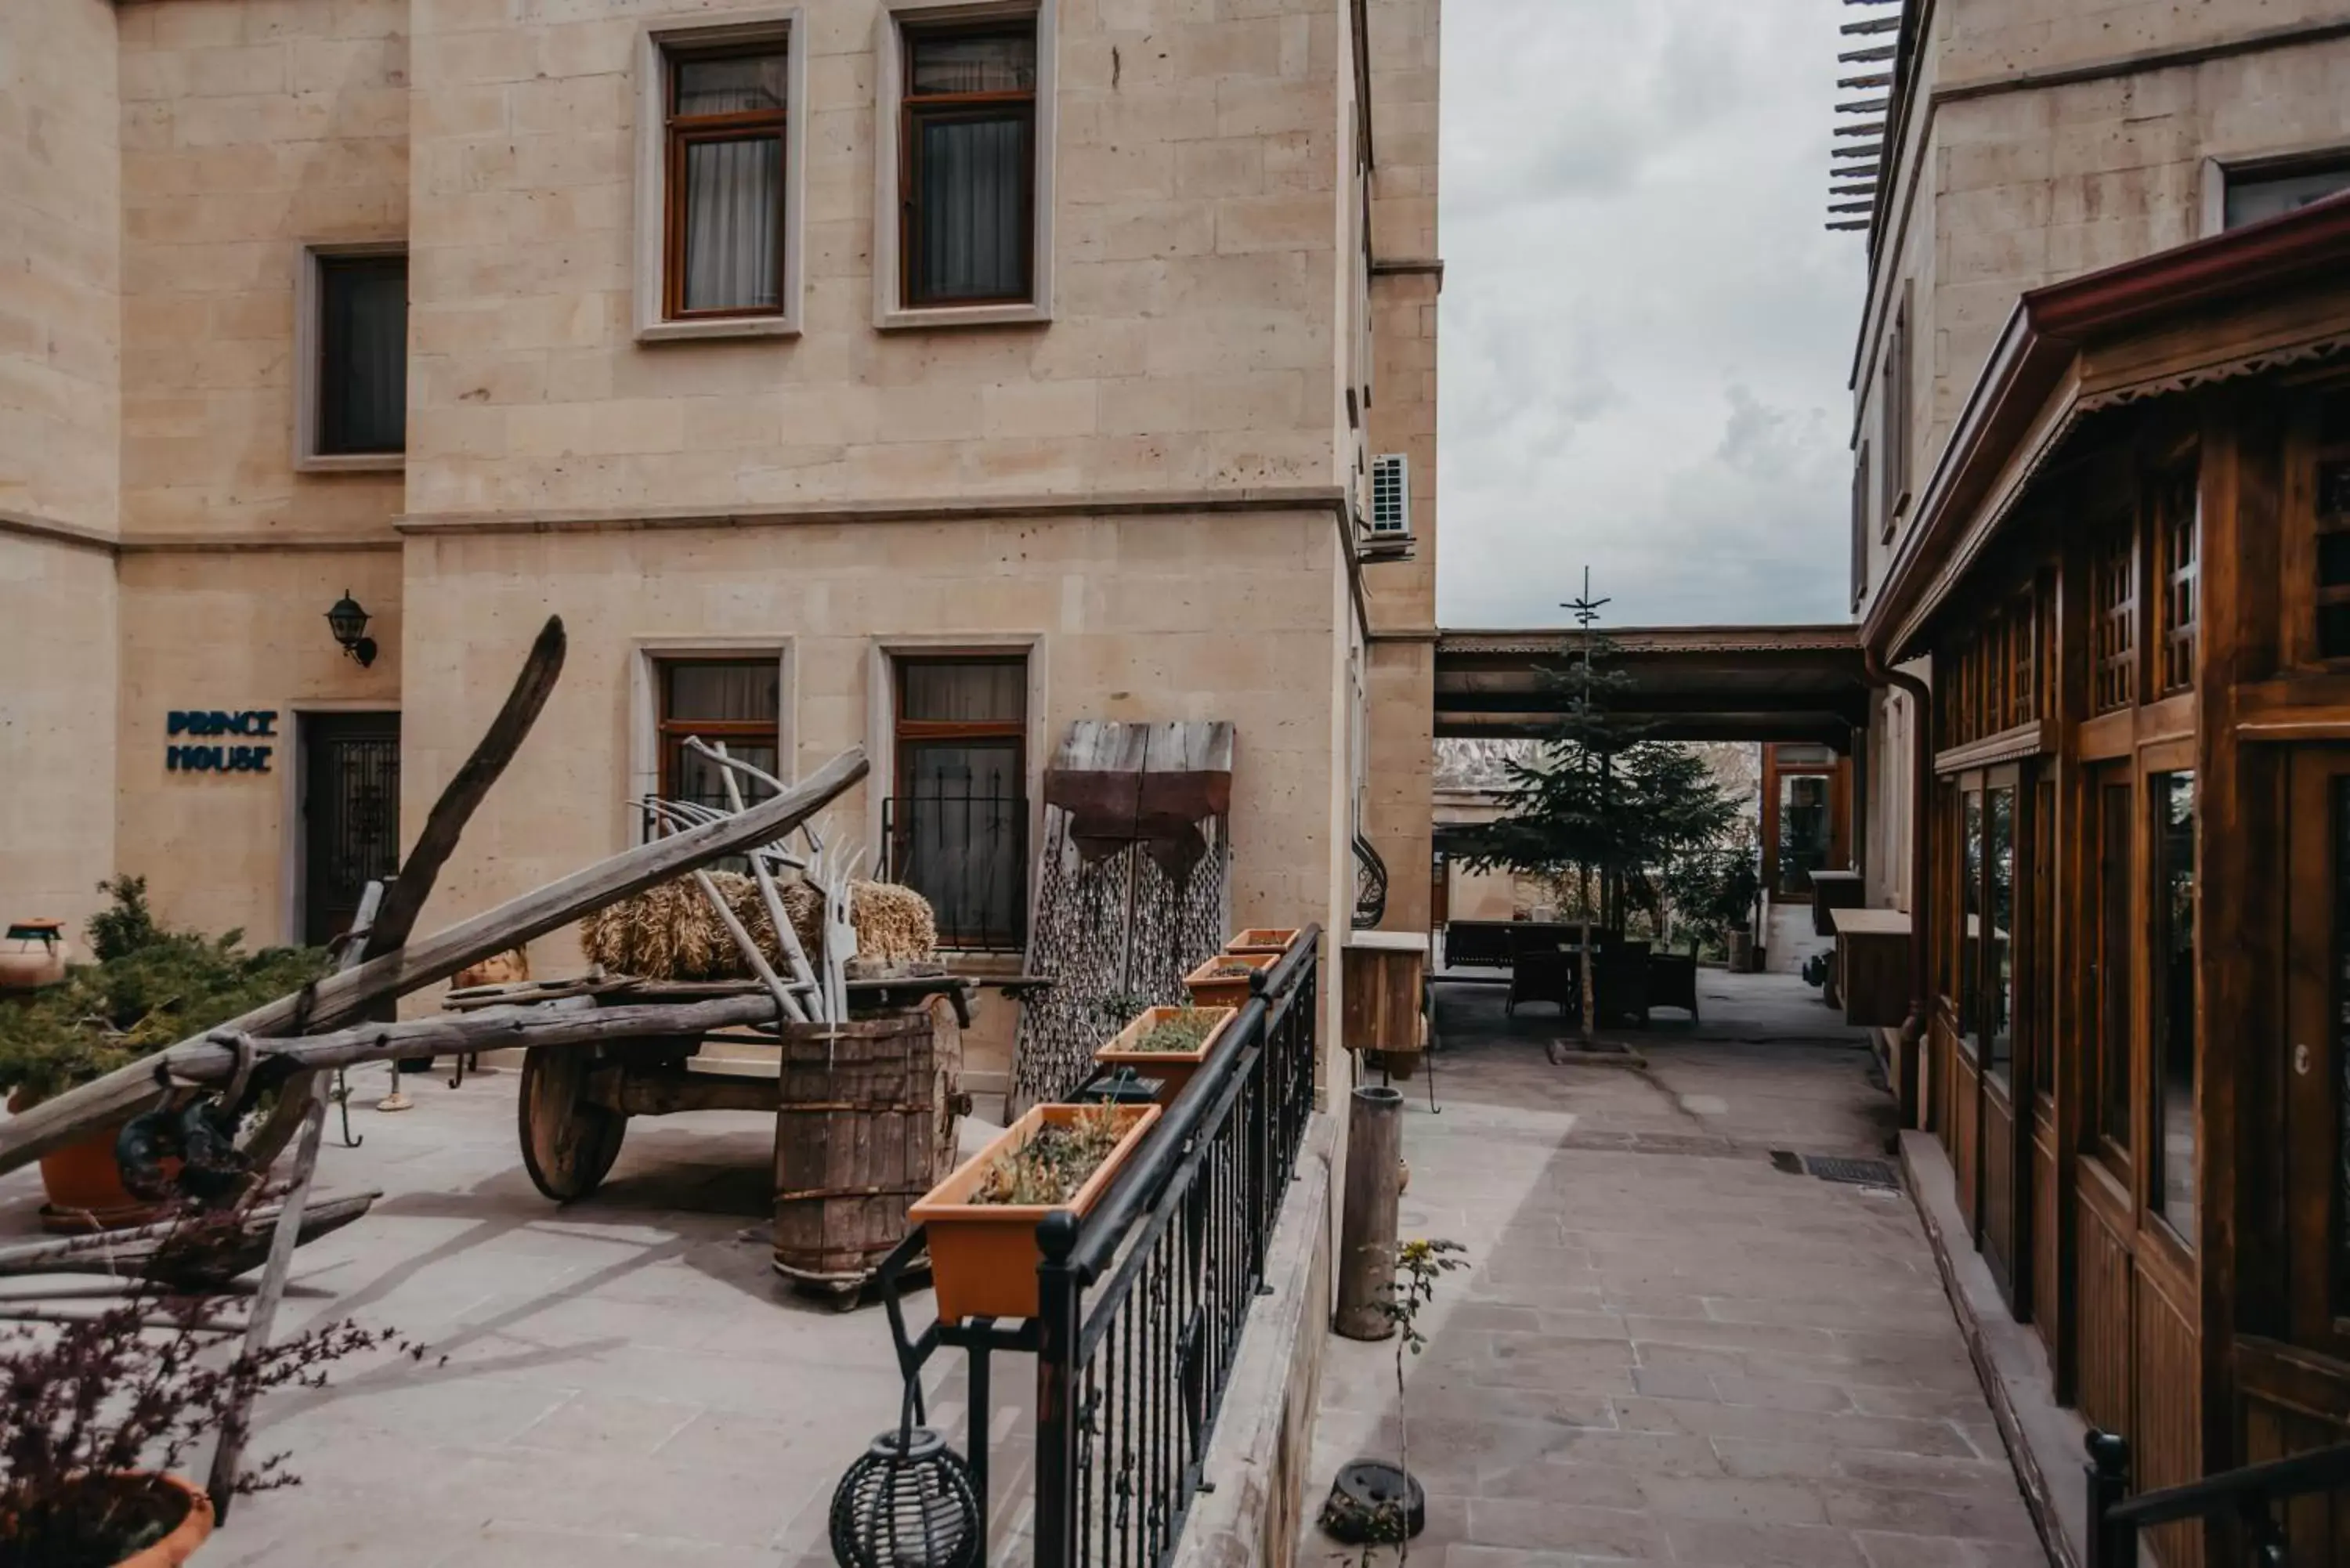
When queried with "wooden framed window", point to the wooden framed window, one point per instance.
{"points": [[1860, 498], [967, 163], [2332, 498], [351, 389], [2170, 998], [2113, 961], [956, 825], [2023, 661], [1895, 392], [2114, 579], [2176, 532], [727, 127], [733, 702]]}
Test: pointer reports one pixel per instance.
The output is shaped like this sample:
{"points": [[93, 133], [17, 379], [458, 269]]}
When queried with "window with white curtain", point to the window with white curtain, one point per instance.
{"points": [[728, 130], [967, 143]]}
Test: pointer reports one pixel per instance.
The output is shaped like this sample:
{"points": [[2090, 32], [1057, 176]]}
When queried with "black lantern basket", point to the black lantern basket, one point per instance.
{"points": [[907, 1502]]}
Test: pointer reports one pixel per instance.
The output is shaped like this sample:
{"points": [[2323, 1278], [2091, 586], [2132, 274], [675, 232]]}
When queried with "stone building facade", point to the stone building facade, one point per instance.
{"points": [[1126, 474], [2029, 141]]}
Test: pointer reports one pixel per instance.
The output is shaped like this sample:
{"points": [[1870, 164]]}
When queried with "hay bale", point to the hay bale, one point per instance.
{"points": [[670, 931]]}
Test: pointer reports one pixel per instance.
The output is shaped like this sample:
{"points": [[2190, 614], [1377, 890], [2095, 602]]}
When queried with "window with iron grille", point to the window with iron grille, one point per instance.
{"points": [[956, 825], [1391, 494], [2332, 485]]}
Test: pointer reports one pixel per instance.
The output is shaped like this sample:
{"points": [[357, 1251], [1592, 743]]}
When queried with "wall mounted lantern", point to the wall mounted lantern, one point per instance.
{"points": [[349, 623]]}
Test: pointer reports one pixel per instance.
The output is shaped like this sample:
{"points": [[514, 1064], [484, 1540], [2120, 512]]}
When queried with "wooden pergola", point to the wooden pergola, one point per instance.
{"points": [[1790, 683]]}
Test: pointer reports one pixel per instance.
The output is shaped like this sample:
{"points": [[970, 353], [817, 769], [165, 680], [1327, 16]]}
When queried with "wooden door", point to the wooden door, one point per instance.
{"points": [[2296, 1390], [350, 814]]}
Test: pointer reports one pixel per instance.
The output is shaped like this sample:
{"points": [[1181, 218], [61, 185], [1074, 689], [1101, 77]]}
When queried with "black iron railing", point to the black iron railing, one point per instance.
{"points": [[968, 854], [1143, 1303], [2248, 1496]]}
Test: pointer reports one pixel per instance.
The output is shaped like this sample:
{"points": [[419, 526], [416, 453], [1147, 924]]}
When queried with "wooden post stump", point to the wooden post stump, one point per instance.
{"points": [[1366, 1230]]}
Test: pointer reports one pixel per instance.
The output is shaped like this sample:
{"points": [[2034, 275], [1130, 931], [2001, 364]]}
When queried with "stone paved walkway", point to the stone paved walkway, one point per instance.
{"points": [[627, 1382], [1670, 1351]]}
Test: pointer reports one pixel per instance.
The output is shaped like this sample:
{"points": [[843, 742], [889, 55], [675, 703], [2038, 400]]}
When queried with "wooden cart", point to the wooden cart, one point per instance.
{"points": [[864, 1113]]}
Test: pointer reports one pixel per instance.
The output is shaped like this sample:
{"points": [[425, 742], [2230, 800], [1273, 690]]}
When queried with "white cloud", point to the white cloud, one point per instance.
{"points": [[1646, 329]]}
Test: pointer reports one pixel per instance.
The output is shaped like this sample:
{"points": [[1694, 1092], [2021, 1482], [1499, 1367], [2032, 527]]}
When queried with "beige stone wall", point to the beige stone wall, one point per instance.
{"points": [[1194, 342], [57, 728], [60, 255], [1227, 616], [211, 630], [1988, 39], [1403, 37], [250, 127]]}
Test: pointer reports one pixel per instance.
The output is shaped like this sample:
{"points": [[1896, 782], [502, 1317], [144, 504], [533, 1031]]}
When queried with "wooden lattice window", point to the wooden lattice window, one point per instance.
{"points": [[2023, 661], [2334, 527], [2176, 534], [2116, 584]]}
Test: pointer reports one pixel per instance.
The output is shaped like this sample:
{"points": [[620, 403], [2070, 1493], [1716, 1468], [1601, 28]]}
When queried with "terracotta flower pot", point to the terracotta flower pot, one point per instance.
{"points": [[166, 1497], [1210, 989], [32, 954], [84, 1185], [192, 1531], [983, 1256], [1263, 940], [1174, 1069]]}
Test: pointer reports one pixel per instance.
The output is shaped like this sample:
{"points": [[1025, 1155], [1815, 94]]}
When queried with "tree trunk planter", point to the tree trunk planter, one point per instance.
{"points": [[85, 1186], [1272, 939], [1211, 988], [983, 1256], [1175, 1069]]}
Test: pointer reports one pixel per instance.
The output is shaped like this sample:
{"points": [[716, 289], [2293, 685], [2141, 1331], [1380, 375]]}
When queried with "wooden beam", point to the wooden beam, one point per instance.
{"points": [[80, 1111]]}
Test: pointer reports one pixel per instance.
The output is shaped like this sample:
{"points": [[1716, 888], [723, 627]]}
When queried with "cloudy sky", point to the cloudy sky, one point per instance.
{"points": [[1646, 329]]}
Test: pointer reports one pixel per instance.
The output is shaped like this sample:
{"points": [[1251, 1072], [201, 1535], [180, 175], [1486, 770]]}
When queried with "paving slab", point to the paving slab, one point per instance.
{"points": [[1668, 1349]]}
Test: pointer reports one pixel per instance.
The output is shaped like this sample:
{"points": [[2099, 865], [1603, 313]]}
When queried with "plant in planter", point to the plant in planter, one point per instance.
{"points": [[151, 985], [1169, 1044], [98, 1411], [981, 1220], [1375, 1504], [1224, 980]]}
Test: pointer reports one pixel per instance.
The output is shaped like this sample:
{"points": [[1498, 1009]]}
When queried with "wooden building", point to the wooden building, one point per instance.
{"points": [[2131, 571]]}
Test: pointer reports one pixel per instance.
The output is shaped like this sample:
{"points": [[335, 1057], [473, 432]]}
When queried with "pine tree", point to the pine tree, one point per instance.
{"points": [[1600, 802]]}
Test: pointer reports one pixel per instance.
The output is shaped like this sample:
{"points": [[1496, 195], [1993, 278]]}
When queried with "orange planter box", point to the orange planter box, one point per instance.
{"points": [[1263, 940], [1210, 989], [1173, 1069], [983, 1256]]}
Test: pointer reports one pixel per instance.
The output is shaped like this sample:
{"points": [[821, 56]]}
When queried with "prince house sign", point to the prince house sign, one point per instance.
{"points": [[208, 755]]}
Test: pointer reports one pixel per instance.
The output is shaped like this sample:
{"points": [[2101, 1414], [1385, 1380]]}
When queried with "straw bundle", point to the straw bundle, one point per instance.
{"points": [[670, 933]]}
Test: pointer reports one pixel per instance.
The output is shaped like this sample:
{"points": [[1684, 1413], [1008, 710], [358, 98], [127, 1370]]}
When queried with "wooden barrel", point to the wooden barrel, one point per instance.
{"points": [[865, 1123]]}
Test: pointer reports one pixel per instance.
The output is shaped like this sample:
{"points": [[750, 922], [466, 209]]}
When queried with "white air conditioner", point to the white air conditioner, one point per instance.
{"points": [[1391, 496]]}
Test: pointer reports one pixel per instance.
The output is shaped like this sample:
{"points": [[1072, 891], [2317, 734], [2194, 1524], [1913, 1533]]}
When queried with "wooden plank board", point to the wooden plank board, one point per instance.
{"points": [[58, 1122]]}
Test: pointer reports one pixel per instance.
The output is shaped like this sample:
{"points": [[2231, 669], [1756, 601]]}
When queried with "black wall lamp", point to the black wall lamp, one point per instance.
{"points": [[349, 623]]}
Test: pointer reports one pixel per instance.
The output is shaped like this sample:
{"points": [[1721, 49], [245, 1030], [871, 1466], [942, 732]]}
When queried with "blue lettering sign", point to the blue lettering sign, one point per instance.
{"points": [[208, 722]]}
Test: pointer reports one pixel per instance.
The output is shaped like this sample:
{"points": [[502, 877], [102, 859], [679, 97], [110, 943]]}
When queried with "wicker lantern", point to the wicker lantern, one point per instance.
{"points": [[907, 1502]]}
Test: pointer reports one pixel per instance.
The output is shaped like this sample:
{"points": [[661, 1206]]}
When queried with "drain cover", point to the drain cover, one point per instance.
{"points": [[1860, 1172]]}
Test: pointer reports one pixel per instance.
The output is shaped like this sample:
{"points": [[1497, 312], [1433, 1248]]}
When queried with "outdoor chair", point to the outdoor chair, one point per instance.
{"points": [[1673, 981], [1542, 971]]}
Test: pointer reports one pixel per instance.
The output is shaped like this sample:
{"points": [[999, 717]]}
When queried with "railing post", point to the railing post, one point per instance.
{"points": [[1057, 1321], [2112, 1544]]}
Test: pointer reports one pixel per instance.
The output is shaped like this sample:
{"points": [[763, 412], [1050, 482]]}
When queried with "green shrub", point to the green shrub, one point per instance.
{"points": [[151, 987]]}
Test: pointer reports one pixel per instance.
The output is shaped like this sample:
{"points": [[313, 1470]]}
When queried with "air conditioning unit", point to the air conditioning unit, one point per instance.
{"points": [[1391, 496]]}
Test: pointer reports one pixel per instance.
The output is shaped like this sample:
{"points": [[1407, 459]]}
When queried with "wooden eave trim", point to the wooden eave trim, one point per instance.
{"points": [[23, 526], [2021, 740]]}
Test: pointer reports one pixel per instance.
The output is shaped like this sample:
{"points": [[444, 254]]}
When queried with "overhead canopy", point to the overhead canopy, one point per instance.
{"points": [[1686, 683]]}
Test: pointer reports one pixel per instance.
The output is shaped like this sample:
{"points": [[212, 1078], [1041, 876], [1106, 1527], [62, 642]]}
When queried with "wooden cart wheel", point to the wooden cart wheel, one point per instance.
{"points": [[568, 1143]]}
